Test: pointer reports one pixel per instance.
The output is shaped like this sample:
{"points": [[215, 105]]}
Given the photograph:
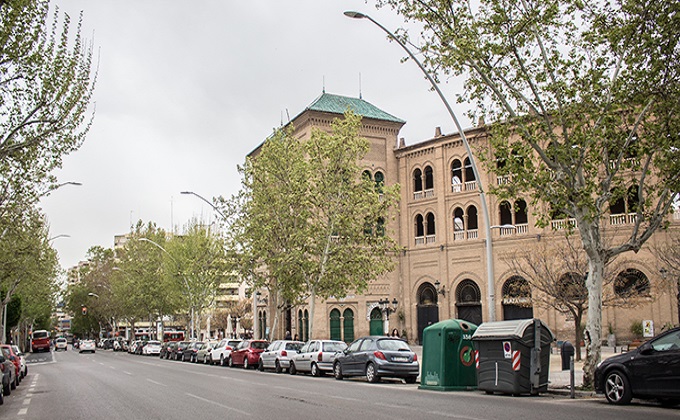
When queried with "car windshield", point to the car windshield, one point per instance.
{"points": [[331, 347], [395, 345], [294, 346]]}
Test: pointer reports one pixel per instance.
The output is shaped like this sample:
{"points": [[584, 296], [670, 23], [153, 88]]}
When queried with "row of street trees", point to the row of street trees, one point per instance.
{"points": [[46, 84], [155, 275]]}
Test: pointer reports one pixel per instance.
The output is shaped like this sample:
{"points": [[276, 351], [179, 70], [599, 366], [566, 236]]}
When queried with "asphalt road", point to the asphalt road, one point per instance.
{"points": [[107, 385]]}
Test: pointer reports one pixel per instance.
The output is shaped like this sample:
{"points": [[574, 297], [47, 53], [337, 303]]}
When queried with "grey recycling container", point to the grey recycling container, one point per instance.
{"points": [[514, 356]]}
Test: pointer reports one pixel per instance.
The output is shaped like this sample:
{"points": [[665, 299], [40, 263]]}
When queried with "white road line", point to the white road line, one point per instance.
{"points": [[154, 382], [127, 373], [27, 401], [219, 405], [23, 412]]}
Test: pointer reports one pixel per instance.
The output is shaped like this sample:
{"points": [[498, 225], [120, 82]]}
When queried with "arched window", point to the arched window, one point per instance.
{"points": [[379, 181], [517, 299], [380, 227], [472, 218], [348, 325], [429, 178], [306, 330], [458, 220], [456, 176], [420, 226], [430, 224], [417, 180], [632, 200], [469, 302], [336, 332], [631, 283], [469, 173], [366, 175], [521, 216], [505, 211]]}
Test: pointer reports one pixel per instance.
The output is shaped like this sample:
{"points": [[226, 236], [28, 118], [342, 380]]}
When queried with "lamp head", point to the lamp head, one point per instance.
{"points": [[354, 15]]}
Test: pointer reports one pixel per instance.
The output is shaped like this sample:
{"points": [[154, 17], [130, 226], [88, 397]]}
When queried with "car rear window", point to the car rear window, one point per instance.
{"points": [[294, 346], [396, 345], [334, 346], [39, 334], [259, 344]]}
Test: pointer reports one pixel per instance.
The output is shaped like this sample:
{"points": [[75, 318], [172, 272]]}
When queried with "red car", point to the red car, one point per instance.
{"points": [[247, 353], [9, 354]]}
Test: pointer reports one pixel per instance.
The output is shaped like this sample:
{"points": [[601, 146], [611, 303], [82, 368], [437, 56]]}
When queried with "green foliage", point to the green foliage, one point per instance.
{"points": [[307, 215], [636, 328]]}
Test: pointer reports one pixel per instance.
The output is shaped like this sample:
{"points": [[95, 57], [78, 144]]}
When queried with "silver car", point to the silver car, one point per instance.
{"points": [[277, 355], [316, 357]]}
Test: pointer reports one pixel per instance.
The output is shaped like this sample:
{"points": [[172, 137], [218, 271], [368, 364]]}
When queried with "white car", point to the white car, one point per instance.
{"points": [[87, 345], [60, 344], [277, 355], [152, 347], [220, 354], [316, 357]]}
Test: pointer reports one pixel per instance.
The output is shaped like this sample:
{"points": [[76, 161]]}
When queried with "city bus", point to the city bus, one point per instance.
{"points": [[173, 336]]}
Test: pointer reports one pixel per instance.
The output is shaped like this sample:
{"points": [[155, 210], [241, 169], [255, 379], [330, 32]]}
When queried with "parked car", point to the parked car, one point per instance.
{"points": [[87, 345], [277, 355], [222, 351], [316, 357], [60, 344], [152, 348], [10, 370], [166, 349], [7, 369], [376, 357], [133, 346], [652, 371], [22, 359], [205, 351], [189, 353], [9, 354], [179, 351], [140, 347], [119, 345], [247, 353]]}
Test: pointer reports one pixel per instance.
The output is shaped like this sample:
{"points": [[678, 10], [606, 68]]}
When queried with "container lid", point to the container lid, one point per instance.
{"points": [[503, 329]]}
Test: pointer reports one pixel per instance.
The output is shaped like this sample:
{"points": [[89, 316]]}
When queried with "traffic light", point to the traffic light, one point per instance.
{"points": [[84, 310]]}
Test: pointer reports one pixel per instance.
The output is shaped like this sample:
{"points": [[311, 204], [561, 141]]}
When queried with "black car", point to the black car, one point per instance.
{"points": [[376, 357], [178, 352], [189, 354], [652, 371], [167, 348]]}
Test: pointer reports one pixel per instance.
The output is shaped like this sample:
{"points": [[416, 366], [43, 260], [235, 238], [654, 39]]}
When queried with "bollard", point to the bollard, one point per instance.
{"points": [[571, 377]]}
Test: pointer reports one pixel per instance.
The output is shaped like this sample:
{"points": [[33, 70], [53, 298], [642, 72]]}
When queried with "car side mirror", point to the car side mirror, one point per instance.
{"points": [[646, 349]]}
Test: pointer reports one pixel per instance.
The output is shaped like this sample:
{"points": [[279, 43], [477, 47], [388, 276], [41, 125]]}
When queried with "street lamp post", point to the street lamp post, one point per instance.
{"points": [[485, 211], [387, 309], [218, 211]]}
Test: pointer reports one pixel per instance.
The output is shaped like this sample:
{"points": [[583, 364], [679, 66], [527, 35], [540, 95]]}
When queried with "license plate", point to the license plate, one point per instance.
{"points": [[400, 359]]}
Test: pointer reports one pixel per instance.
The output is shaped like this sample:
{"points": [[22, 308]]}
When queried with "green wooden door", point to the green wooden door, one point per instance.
{"points": [[348, 325], [335, 325], [376, 327]]}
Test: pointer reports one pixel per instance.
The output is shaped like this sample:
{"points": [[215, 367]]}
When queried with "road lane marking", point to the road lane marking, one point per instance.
{"points": [[23, 411], [154, 382], [219, 405], [127, 373], [453, 416], [27, 401]]}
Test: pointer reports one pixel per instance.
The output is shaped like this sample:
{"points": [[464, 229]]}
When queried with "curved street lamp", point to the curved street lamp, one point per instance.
{"points": [[485, 211], [218, 211]]}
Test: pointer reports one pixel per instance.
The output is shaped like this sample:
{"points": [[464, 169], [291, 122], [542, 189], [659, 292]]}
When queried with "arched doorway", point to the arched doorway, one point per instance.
{"points": [[376, 324], [348, 325], [336, 332], [469, 302], [517, 299], [428, 310]]}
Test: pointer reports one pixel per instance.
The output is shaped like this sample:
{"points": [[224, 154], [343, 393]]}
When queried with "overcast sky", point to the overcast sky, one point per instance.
{"points": [[187, 88]]}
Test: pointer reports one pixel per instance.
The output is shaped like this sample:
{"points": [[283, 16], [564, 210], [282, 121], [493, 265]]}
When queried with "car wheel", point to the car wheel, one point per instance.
{"points": [[260, 366], [277, 367], [13, 385], [617, 388], [315, 370], [410, 379], [6, 389], [207, 361], [230, 362], [245, 363], [337, 371], [2, 397], [292, 369], [221, 360], [371, 374]]}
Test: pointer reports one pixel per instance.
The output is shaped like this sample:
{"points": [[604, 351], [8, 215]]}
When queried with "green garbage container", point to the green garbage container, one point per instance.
{"points": [[448, 356]]}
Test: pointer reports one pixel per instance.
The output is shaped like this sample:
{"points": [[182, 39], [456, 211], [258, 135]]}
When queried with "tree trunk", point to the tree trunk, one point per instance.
{"points": [[577, 334], [593, 333], [312, 299], [275, 318]]}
